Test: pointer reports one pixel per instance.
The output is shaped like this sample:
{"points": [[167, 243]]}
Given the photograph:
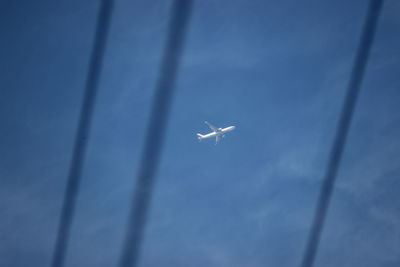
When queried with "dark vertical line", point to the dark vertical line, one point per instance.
{"points": [[336, 152], [83, 131], [156, 128]]}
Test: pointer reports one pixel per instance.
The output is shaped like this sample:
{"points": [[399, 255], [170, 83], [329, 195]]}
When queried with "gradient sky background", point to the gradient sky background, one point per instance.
{"points": [[275, 69]]}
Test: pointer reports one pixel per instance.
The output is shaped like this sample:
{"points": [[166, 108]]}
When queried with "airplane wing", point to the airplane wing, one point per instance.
{"points": [[217, 138], [212, 127]]}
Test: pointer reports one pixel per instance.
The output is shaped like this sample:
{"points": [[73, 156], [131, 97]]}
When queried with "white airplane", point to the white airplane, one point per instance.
{"points": [[217, 132]]}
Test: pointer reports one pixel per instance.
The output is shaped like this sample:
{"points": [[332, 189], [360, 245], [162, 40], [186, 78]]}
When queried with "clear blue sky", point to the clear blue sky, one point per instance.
{"points": [[275, 69]]}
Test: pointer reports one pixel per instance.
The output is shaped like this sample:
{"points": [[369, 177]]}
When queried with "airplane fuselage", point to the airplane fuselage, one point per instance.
{"points": [[221, 131], [218, 133]]}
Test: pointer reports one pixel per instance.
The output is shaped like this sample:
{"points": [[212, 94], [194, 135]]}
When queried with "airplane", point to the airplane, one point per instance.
{"points": [[217, 132]]}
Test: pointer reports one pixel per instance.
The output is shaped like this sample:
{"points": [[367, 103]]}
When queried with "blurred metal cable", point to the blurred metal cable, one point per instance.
{"points": [[336, 152], [83, 131], [155, 134]]}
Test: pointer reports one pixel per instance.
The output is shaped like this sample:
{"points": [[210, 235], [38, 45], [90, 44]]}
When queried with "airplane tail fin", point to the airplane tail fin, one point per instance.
{"points": [[199, 136]]}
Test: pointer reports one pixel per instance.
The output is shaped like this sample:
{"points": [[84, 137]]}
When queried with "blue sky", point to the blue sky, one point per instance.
{"points": [[275, 69]]}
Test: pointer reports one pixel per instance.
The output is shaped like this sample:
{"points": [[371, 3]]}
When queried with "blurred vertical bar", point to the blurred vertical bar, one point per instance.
{"points": [[356, 77], [155, 133], [83, 131]]}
